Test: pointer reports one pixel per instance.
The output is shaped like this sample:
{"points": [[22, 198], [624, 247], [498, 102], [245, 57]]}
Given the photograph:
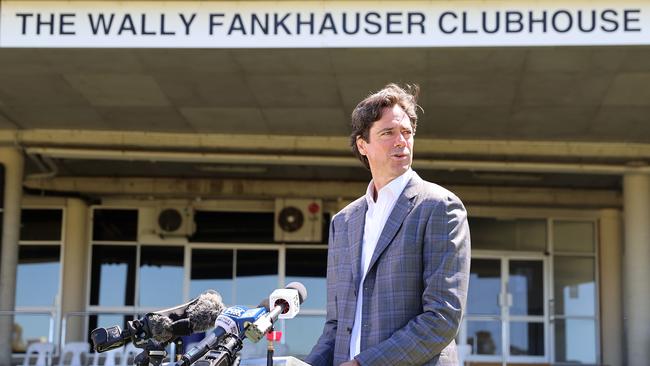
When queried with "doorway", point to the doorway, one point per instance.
{"points": [[507, 320]]}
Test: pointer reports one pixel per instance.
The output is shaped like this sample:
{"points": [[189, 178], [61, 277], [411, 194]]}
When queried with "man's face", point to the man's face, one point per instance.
{"points": [[389, 148]]}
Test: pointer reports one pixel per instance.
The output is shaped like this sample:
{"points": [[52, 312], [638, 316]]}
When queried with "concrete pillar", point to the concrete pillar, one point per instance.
{"points": [[636, 299], [611, 286], [75, 250], [13, 162]]}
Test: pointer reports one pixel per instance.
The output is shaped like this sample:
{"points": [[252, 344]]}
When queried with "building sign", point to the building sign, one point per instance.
{"points": [[321, 24]]}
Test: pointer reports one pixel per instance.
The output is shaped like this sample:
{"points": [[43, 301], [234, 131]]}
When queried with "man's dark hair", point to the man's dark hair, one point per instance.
{"points": [[369, 110]]}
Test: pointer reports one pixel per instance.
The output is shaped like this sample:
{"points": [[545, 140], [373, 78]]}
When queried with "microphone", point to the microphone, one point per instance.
{"points": [[194, 316], [286, 305], [197, 315], [230, 324]]}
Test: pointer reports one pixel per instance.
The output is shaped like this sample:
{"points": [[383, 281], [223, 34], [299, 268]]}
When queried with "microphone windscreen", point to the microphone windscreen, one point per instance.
{"points": [[203, 313], [264, 304], [302, 291], [160, 327]]}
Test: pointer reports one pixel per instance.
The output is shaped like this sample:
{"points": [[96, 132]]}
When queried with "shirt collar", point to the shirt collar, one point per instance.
{"points": [[394, 188]]}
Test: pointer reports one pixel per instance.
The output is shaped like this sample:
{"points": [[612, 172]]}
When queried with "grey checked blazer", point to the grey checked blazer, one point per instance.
{"points": [[416, 286]]}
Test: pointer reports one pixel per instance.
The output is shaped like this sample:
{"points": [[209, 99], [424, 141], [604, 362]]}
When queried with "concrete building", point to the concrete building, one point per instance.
{"points": [[172, 153]]}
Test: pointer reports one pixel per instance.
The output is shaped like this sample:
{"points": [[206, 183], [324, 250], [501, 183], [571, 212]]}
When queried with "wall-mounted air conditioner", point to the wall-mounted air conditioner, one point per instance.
{"points": [[298, 220], [165, 224]]}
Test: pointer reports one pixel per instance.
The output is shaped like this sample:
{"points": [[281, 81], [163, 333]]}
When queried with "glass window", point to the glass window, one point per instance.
{"points": [[526, 285], [161, 276], [309, 267], [257, 275], [574, 286], [575, 341], [526, 339], [485, 286], [112, 275], [573, 236], [300, 334], [515, 234], [30, 329], [38, 270], [233, 227], [115, 225], [40, 224], [212, 269], [484, 337]]}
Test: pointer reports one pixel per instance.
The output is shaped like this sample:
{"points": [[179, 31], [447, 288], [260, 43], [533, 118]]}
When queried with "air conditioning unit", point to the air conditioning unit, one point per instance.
{"points": [[298, 220], [165, 224]]}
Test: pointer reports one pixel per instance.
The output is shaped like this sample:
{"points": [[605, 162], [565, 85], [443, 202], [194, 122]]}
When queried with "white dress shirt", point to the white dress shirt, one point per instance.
{"points": [[376, 217]]}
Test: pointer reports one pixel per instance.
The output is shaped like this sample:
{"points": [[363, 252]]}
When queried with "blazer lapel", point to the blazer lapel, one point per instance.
{"points": [[403, 206], [355, 238]]}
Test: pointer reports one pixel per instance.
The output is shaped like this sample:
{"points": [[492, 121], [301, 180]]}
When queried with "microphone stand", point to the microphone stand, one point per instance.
{"points": [[153, 354], [226, 353]]}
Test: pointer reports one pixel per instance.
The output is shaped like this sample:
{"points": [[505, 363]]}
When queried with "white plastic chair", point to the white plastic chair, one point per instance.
{"points": [[77, 351], [109, 356], [42, 351]]}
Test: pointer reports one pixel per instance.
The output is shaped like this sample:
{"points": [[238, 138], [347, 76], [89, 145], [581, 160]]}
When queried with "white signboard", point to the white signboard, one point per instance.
{"points": [[299, 24]]}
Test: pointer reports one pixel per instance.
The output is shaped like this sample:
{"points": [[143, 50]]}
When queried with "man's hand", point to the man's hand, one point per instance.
{"points": [[352, 362]]}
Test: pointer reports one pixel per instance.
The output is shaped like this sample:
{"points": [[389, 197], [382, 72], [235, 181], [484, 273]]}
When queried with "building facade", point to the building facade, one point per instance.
{"points": [[153, 150]]}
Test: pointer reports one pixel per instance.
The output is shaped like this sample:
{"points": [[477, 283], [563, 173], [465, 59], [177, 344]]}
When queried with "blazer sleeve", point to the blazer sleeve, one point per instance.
{"points": [[446, 260], [323, 352]]}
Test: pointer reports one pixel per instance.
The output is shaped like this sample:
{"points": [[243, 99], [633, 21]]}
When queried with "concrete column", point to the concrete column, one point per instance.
{"points": [[75, 250], [13, 162], [611, 286], [636, 299]]}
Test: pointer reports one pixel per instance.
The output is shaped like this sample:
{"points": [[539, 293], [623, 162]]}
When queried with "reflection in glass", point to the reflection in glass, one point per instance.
{"points": [[515, 234], [573, 236], [161, 276], [115, 225], [37, 282], [212, 269], [484, 337], [309, 266], [257, 275], [574, 286], [575, 340], [526, 284], [526, 339], [29, 329], [300, 334], [484, 288], [112, 278], [41, 224]]}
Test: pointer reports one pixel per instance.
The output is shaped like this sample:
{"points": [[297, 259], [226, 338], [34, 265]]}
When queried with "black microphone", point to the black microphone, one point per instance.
{"points": [[197, 315], [230, 327], [286, 305]]}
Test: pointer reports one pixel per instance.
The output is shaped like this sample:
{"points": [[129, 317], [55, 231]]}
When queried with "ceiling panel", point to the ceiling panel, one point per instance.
{"points": [[208, 89], [156, 119], [37, 90], [118, 89], [563, 89], [294, 90], [629, 89], [57, 117], [308, 121], [226, 120]]}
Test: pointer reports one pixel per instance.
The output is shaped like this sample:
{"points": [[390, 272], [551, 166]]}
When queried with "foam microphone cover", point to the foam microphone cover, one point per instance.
{"points": [[203, 313], [160, 327]]}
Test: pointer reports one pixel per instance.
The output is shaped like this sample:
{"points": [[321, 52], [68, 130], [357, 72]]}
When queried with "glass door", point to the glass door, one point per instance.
{"points": [[506, 320]]}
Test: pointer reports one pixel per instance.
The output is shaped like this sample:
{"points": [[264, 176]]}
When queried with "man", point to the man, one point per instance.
{"points": [[398, 258]]}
